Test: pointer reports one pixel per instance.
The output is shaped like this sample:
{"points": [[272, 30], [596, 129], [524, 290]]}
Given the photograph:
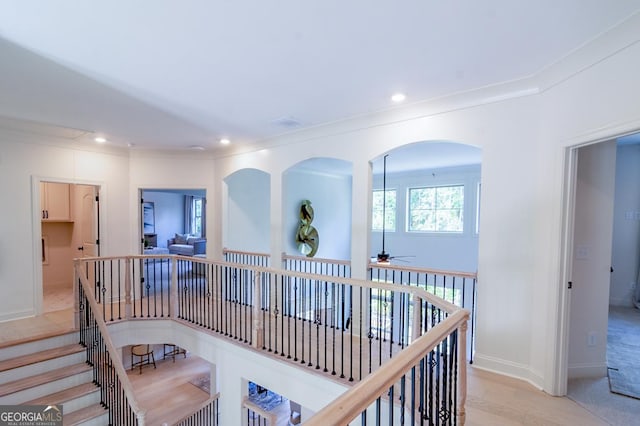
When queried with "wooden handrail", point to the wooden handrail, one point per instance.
{"points": [[416, 291], [286, 256], [117, 364], [423, 270], [349, 405], [271, 417], [200, 407], [247, 253]]}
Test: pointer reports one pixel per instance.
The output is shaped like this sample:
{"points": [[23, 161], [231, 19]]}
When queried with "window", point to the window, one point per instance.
{"points": [[196, 216], [390, 210], [436, 209]]}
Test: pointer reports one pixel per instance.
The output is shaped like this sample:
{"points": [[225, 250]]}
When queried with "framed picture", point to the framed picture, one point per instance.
{"points": [[148, 218]]}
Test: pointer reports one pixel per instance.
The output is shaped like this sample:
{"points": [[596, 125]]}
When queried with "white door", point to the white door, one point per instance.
{"points": [[86, 220], [591, 271]]}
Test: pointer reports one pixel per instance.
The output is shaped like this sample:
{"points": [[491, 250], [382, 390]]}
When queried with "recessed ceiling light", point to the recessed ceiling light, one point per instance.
{"points": [[398, 97], [196, 147], [225, 141], [100, 139]]}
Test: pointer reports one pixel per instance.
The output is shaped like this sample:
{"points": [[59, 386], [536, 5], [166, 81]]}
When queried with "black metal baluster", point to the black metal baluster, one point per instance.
{"points": [[303, 315], [295, 319]]}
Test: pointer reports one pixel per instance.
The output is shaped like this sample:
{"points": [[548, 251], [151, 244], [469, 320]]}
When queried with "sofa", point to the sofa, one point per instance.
{"points": [[186, 245]]}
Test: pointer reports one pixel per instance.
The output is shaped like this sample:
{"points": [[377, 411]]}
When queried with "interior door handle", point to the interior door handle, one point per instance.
{"points": [[81, 248]]}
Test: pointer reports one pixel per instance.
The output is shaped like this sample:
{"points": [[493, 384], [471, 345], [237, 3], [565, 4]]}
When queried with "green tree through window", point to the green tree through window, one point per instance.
{"points": [[436, 209], [390, 210]]}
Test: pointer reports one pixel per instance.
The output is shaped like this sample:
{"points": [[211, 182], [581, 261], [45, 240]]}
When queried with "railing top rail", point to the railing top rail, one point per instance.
{"points": [[423, 270], [247, 403], [286, 256], [349, 405], [416, 291], [102, 326], [248, 253], [200, 407]]}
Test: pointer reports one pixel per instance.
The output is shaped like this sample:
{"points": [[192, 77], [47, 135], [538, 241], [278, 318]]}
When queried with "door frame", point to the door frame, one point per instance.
{"points": [[558, 359], [36, 180]]}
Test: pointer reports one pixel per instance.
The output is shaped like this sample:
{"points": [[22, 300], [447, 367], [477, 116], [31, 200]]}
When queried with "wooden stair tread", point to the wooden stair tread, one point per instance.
{"points": [[65, 395], [36, 357], [39, 379], [83, 414]]}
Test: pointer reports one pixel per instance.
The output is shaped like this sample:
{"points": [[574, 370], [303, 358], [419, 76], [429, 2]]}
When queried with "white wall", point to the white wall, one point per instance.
{"points": [[626, 226], [24, 161], [330, 197], [524, 129], [248, 216], [453, 252], [173, 171]]}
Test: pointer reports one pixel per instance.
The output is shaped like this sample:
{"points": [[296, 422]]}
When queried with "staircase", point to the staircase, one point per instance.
{"points": [[48, 372]]}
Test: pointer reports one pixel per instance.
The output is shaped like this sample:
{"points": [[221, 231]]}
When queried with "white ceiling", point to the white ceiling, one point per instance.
{"points": [[168, 74]]}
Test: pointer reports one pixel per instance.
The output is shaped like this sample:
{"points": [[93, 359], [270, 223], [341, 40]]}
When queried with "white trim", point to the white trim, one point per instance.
{"points": [[559, 324], [36, 230], [507, 368], [581, 371]]}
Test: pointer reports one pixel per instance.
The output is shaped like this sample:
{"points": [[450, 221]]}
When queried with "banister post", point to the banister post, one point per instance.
{"points": [[462, 372], [416, 329], [173, 293], [76, 295], [257, 335], [140, 415], [127, 288]]}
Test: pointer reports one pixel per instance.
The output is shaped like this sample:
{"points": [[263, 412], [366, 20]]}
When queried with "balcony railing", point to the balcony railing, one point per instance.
{"points": [[458, 288], [116, 392], [246, 257], [343, 327], [314, 265]]}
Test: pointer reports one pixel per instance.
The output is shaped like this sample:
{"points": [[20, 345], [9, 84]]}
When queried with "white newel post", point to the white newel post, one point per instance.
{"points": [[76, 296], [173, 293], [127, 288], [416, 330], [462, 369], [258, 326]]}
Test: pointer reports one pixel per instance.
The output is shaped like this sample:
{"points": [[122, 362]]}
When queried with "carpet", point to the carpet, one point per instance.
{"points": [[203, 383], [595, 396], [266, 399], [623, 351]]}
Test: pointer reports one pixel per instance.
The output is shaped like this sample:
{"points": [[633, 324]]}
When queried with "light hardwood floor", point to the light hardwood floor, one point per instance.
{"points": [[492, 399]]}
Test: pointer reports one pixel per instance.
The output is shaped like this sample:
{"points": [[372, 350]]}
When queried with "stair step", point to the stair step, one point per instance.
{"points": [[65, 395], [41, 356], [15, 348], [40, 379], [83, 415]]}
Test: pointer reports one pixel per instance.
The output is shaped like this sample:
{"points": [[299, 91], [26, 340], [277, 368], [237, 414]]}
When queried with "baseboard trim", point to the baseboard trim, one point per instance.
{"points": [[587, 370], [12, 316], [509, 369]]}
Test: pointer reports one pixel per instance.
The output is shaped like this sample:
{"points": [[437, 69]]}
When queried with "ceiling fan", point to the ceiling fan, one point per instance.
{"points": [[384, 257]]}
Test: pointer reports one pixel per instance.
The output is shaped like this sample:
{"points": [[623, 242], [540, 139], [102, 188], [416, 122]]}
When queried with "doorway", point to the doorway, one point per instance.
{"points": [[602, 253], [69, 222], [164, 213]]}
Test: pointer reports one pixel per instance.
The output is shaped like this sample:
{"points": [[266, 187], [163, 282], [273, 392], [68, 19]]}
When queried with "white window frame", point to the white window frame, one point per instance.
{"points": [[435, 231]]}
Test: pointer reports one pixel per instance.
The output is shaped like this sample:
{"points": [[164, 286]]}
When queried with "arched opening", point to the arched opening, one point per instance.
{"points": [[431, 209], [247, 216], [327, 184]]}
